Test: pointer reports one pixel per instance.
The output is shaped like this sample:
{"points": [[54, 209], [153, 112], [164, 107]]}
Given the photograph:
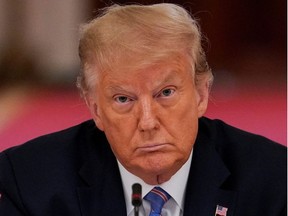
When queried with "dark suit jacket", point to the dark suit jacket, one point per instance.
{"points": [[74, 172]]}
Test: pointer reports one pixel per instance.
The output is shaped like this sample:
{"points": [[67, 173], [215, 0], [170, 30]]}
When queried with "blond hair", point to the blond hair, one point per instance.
{"points": [[134, 37]]}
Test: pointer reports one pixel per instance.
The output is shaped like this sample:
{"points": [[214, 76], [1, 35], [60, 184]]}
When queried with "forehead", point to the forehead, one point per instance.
{"points": [[174, 67], [152, 75], [140, 65]]}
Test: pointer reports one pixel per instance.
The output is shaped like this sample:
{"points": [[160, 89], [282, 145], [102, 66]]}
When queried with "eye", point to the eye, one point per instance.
{"points": [[167, 92], [122, 99]]}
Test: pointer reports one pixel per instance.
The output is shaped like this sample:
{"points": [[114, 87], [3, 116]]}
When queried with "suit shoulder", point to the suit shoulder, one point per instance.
{"points": [[56, 152], [244, 150], [46, 165], [56, 140], [222, 134]]}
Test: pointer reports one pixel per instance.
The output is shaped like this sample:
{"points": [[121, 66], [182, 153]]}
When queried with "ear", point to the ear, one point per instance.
{"points": [[203, 96], [95, 112]]}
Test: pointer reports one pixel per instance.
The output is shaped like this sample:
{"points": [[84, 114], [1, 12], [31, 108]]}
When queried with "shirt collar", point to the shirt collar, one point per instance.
{"points": [[175, 186]]}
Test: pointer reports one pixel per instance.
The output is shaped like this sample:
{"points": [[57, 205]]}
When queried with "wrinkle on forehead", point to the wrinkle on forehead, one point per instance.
{"points": [[143, 80]]}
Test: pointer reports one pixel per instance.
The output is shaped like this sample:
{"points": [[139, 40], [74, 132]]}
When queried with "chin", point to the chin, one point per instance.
{"points": [[160, 166], [157, 173], [152, 165]]}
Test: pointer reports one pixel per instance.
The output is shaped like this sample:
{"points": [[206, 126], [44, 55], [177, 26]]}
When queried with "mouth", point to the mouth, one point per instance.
{"points": [[153, 147]]}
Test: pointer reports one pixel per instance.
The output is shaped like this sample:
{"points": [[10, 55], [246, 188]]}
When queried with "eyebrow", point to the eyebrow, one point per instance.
{"points": [[170, 77], [115, 87]]}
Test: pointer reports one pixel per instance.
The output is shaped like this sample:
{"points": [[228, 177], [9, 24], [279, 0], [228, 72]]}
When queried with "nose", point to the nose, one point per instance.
{"points": [[148, 120]]}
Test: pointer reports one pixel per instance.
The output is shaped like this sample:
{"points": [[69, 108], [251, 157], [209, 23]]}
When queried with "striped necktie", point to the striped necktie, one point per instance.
{"points": [[157, 198]]}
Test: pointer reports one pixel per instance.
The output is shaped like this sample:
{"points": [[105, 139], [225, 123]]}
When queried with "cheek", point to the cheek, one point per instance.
{"points": [[119, 131], [119, 142], [186, 133], [182, 123]]}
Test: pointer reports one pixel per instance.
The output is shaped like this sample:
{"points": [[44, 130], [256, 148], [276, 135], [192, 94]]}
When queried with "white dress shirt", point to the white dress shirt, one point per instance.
{"points": [[175, 187]]}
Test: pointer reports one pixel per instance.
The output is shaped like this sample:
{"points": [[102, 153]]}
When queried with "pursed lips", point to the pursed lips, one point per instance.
{"points": [[153, 147]]}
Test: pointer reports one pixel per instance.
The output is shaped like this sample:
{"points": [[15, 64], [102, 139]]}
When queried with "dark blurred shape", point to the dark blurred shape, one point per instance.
{"points": [[16, 66]]}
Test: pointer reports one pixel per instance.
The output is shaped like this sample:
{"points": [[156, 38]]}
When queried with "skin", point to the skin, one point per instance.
{"points": [[150, 117]]}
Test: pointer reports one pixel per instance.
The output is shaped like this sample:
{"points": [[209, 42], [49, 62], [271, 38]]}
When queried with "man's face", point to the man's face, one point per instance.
{"points": [[150, 118]]}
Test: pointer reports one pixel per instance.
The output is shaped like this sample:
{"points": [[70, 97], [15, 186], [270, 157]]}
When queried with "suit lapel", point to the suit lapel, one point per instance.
{"points": [[205, 183], [101, 192]]}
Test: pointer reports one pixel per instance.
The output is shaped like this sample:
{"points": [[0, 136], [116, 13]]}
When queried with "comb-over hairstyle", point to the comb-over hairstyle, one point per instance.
{"points": [[133, 37]]}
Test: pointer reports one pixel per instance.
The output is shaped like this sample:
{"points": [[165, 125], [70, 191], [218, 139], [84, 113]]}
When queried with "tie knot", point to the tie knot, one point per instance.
{"points": [[157, 198]]}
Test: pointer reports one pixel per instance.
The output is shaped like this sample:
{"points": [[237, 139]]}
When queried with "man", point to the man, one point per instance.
{"points": [[146, 82]]}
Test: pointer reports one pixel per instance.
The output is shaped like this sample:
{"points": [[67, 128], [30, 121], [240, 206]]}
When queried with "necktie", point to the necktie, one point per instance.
{"points": [[157, 198]]}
